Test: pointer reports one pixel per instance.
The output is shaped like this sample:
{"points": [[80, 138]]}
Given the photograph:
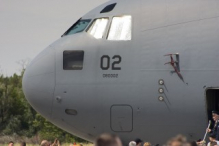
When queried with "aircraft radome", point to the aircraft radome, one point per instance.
{"points": [[144, 69]]}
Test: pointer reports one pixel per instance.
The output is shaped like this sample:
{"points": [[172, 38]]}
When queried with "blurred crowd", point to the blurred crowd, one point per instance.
{"points": [[113, 140], [179, 140]]}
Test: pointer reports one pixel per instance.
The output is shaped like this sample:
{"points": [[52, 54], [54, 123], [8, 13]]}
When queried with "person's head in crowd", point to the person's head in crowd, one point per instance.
{"points": [[11, 143], [201, 143], [147, 144], [176, 143], [45, 143], [192, 143], [108, 140], [132, 143], [212, 137], [138, 142], [199, 140], [179, 140], [215, 115], [23, 144]]}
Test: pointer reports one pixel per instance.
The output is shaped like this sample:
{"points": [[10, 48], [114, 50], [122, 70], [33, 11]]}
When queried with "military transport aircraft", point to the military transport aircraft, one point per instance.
{"points": [[135, 68]]}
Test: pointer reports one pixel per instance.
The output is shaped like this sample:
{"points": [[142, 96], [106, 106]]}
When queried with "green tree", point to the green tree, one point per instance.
{"points": [[17, 117]]}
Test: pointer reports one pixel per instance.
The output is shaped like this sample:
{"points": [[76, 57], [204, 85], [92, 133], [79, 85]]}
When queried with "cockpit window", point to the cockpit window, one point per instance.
{"points": [[79, 26], [98, 27], [121, 28]]}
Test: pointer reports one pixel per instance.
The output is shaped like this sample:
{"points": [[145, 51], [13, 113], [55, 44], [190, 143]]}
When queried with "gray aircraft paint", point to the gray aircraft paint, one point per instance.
{"points": [[128, 105]]}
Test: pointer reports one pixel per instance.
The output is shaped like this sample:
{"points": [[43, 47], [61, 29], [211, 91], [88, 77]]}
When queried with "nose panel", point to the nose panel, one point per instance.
{"points": [[42, 63], [39, 82]]}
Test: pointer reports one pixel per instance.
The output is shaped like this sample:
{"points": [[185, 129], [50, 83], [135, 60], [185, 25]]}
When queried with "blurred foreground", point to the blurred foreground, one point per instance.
{"points": [[64, 144]]}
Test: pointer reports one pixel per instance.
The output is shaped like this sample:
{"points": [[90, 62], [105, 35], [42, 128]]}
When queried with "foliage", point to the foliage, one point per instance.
{"points": [[17, 117]]}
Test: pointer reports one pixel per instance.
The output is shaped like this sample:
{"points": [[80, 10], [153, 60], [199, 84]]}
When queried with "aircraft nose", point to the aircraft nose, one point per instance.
{"points": [[39, 82]]}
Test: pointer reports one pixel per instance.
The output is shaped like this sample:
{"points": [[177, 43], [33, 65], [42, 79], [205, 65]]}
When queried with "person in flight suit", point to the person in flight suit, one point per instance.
{"points": [[215, 130]]}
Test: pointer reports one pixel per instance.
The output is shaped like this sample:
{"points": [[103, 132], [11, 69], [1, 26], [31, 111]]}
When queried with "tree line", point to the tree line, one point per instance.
{"points": [[17, 117]]}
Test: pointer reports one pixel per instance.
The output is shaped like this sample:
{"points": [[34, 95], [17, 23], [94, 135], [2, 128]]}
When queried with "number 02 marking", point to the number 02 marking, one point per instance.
{"points": [[116, 62], [106, 58]]}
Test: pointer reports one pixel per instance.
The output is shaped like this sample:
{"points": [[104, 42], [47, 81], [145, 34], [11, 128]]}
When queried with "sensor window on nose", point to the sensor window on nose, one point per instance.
{"points": [[73, 60]]}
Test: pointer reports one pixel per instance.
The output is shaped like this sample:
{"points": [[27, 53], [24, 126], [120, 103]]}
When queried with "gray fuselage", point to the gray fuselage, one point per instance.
{"points": [[127, 102]]}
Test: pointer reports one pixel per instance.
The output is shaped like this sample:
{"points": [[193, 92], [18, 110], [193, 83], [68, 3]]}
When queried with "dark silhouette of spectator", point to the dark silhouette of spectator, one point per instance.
{"points": [[193, 143], [23, 144], [108, 140], [138, 142]]}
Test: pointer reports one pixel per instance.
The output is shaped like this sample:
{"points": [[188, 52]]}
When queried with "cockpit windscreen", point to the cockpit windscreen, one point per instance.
{"points": [[79, 26]]}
